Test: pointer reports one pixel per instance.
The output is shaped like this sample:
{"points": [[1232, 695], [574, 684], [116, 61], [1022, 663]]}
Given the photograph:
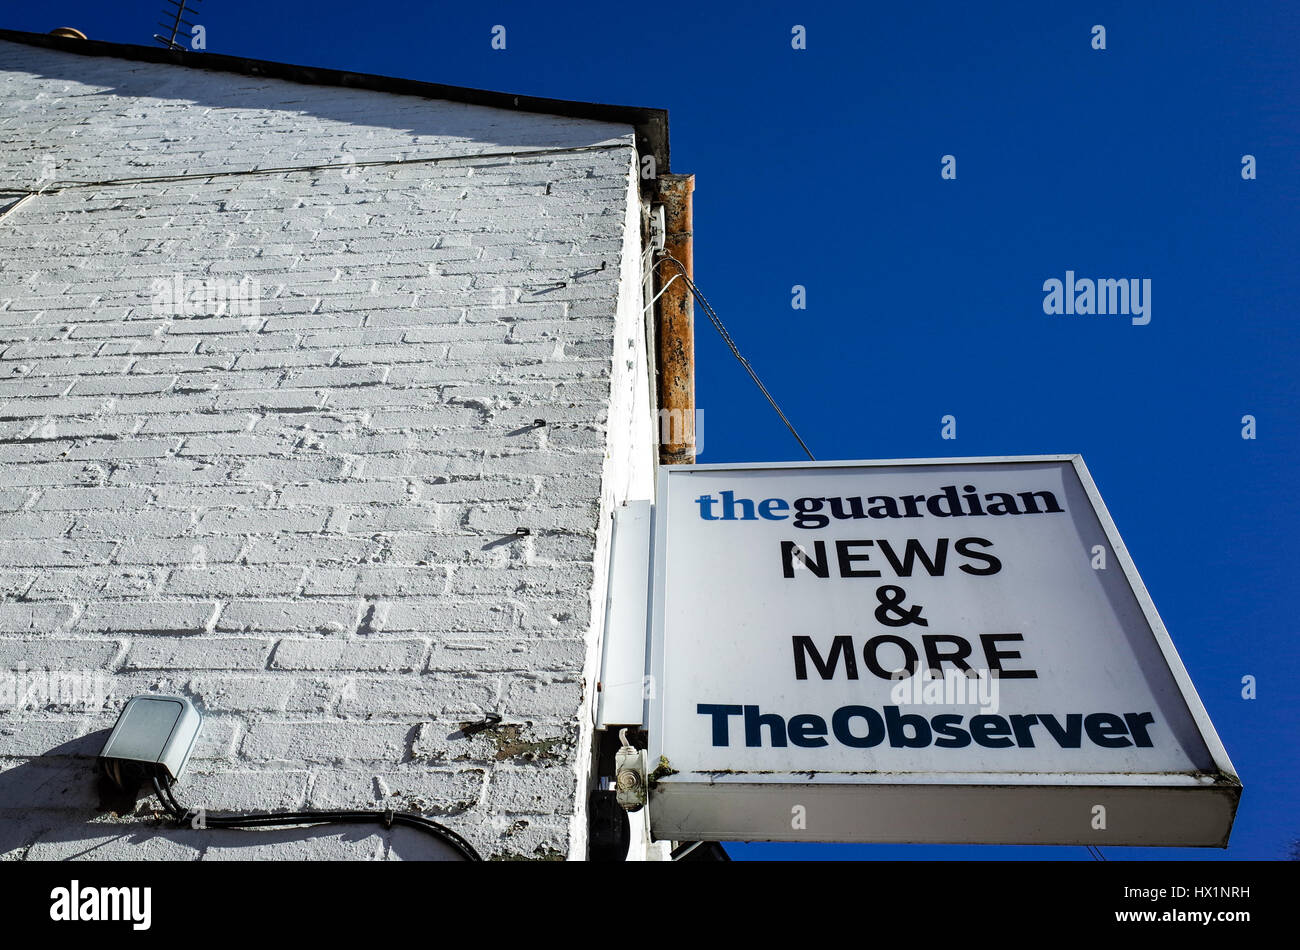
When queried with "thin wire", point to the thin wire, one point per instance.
{"points": [[429, 160], [735, 350], [662, 290], [664, 255], [18, 204]]}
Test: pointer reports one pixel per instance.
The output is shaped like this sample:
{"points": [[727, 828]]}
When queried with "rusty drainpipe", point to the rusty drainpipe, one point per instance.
{"points": [[675, 325]]}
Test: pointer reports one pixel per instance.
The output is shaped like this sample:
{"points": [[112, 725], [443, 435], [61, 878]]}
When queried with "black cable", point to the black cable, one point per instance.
{"points": [[182, 816], [735, 350], [57, 186]]}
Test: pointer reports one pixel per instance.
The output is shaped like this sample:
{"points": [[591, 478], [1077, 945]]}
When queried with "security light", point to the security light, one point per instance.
{"points": [[152, 732]]}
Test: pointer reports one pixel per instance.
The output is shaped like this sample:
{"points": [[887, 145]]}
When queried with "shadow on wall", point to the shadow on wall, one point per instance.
{"points": [[360, 124], [58, 807]]}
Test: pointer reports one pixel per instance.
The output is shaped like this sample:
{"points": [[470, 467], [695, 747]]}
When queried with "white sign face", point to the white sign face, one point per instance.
{"points": [[935, 650]]}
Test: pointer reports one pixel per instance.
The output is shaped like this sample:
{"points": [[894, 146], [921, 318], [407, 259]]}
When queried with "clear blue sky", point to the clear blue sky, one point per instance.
{"points": [[821, 167]]}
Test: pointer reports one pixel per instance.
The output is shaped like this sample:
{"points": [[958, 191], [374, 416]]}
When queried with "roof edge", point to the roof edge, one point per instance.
{"points": [[651, 125]]}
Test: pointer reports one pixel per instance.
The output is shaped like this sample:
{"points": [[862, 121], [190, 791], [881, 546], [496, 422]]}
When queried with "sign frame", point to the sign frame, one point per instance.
{"points": [[1183, 808]]}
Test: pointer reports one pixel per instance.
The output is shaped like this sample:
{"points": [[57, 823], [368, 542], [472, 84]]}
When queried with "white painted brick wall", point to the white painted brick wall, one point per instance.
{"points": [[304, 519]]}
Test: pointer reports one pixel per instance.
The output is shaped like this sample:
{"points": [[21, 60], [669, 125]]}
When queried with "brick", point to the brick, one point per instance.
{"points": [[244, 790], [178, 551], [218, 737], [114, 449], [370, 519], [80, 499], [398, 581], [442, 742], [291, 616], [279, 358], [310, 695], [50, 653], [501, 654], [327, 742], [158, 617], [244, 692], [234, 581], [21, 617], [428, 694], [543, 696], [125, 842], [539, 581], [13, 583], [289, 400], [299, 550], [196, 422], [371, 655], [126, 525], [429, 791], [39, 524], [39, 737], [47, 784], [334, 377], [277, 471], [263, 521], [198, 653], [447, 616], [170, 471], [544, 791], [122, 385], [84, 584], [202, 496], [343, 493], [316, 843], [232, 445], [553, 617]]}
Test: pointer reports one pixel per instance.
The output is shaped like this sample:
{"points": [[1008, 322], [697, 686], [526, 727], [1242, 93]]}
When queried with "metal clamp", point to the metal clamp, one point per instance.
{"points": [[630, 775]]}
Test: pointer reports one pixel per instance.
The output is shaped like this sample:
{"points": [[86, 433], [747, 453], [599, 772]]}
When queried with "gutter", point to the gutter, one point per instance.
{"points": [[651, 125]]}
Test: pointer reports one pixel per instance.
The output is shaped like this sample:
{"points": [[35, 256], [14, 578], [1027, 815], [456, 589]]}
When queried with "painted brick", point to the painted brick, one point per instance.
{"points": [[290, 615], [371, 655], [263, 521], [198, 653], [120, 842], [424, 694], [47, 784], [501, 654], [463, 616], [326, 742], [146, 523], [35, 618], [432, 792], [304, 520], [405, 580], [542, 695], [189, 551], [244, 790], [234, 581], [75, 499], [545, 791], [160, 617]]}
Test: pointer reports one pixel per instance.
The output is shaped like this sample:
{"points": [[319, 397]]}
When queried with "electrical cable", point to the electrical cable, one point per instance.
{"points": [[241, 172], [685, 849], [735, 350], [162, 784]]}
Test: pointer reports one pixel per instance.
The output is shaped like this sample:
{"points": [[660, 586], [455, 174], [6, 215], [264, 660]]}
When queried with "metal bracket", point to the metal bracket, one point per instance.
{"points": [[631, 775], [658, 228]]}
